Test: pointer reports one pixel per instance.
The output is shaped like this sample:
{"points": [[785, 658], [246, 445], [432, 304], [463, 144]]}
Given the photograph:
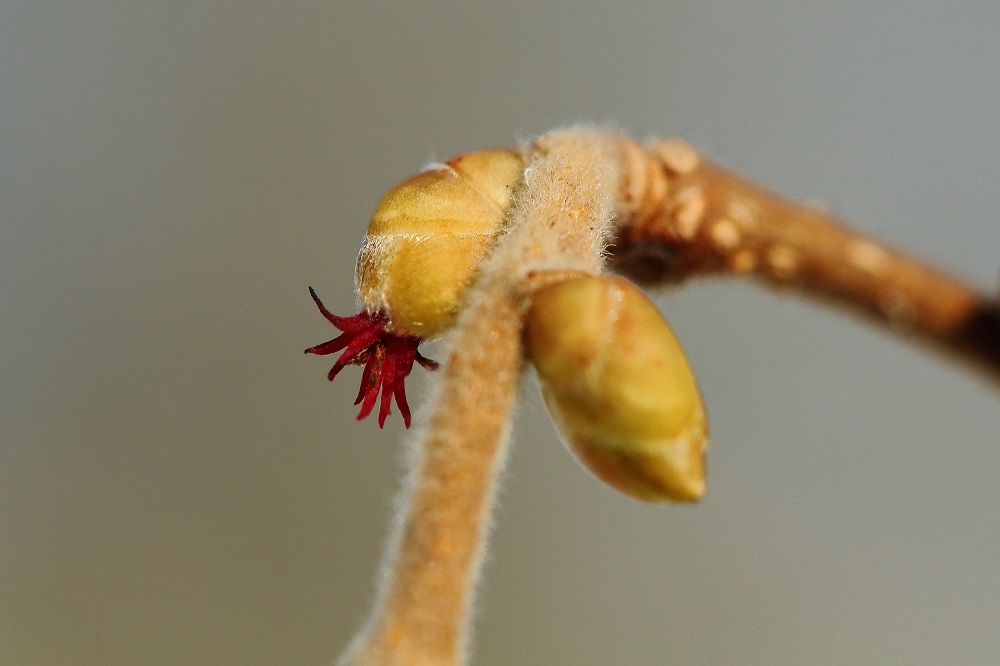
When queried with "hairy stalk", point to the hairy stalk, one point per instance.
{"points": [[560, 223], [683, 217]]}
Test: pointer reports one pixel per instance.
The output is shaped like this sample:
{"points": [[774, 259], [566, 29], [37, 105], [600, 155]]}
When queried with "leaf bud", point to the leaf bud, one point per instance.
{"points": [[619, 387]]}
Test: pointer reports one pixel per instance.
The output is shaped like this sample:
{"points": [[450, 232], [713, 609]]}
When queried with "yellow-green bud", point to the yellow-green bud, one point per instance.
{"points": [[619, 387], [428, 235]]}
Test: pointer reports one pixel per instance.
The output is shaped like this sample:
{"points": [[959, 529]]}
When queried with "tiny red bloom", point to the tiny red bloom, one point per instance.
{"points": [[387, 357]]}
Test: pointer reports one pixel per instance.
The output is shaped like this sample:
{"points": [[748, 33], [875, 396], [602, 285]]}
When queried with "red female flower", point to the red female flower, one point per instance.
{"points": [[387, 357]]}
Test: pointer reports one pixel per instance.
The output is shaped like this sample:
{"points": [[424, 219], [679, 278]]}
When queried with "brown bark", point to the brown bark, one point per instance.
{"points": [[683, 216]]}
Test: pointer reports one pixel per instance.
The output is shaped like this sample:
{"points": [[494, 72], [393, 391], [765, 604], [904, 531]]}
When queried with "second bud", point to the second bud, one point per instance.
{"points": [[619, 387]]}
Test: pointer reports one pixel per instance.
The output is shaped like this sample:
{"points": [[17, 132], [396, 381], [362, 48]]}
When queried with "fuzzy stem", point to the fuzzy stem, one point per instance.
{"points": [[426, 593], [682, 217], [560, 223]]}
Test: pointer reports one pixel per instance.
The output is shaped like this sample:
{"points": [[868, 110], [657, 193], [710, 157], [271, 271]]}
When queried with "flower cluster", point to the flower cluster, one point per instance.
{"points": [[388, 359]]}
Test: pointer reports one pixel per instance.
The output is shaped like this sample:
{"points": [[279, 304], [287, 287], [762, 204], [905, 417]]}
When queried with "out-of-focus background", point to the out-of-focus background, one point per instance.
{"points": [[180, 485]]}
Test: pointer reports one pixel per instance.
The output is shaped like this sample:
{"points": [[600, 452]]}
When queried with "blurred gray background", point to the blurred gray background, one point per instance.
{"points": [[180, 485]]}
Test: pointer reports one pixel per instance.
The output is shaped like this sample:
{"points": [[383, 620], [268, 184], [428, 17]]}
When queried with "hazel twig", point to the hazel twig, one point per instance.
{"points": [[661, 214]]}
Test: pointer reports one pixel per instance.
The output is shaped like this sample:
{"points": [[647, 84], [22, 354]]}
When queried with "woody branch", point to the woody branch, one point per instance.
{"points": [[682, 216]]}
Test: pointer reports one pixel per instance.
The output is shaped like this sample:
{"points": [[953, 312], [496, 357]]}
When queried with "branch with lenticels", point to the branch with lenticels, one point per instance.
{"points": [[683, 216]]}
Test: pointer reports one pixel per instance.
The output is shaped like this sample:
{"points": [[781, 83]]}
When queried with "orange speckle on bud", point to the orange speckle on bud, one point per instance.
{"points": [[619, 387]]}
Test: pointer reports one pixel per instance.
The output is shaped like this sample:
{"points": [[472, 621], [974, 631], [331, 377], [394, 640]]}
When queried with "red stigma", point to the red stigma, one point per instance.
{"points": [[387, 357]]}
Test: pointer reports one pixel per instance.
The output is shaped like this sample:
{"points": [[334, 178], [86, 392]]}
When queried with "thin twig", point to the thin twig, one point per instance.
{"points": [[560, 225]]}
